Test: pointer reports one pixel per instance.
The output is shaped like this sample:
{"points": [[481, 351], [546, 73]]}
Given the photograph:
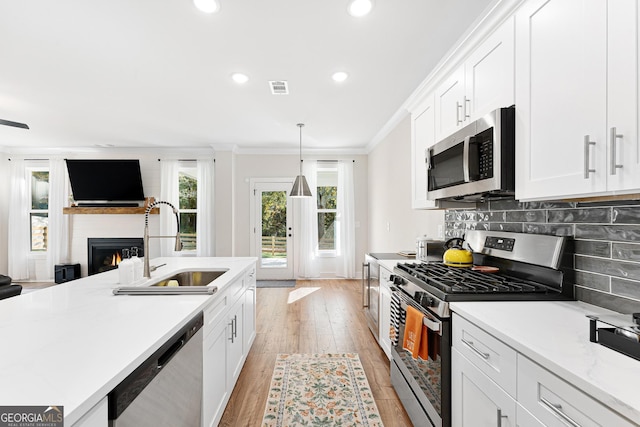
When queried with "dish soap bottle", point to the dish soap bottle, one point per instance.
{"points": [[137, 264], [125, 269]]}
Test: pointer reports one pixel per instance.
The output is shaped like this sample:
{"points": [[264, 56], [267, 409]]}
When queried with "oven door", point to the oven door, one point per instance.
{"points": [[423, 386]]}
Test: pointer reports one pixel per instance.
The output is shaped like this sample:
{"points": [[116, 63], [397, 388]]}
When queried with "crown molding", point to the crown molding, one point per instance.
{"points": [[306, 152]]}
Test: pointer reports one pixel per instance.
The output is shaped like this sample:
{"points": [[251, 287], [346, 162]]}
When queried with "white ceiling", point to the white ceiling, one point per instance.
{"points": [[143, 73]]}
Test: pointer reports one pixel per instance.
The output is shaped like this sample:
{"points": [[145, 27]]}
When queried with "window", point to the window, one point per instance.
{"points": [[188, 204], [39, 211], [327, 198]]}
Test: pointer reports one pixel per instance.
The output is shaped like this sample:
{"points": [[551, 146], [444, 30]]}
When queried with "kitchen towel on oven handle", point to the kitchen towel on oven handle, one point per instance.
{"points": [[396, 318], [416, 337]]}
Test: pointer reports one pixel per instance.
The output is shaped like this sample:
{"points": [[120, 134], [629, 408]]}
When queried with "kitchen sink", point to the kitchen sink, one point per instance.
{"points": [[192, 278]]}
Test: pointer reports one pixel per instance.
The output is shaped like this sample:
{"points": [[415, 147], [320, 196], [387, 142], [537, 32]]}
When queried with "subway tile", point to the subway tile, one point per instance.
{"points": [[483, 216], [470, 216], [599, 215], [509, 226], [460, 215], [612, 302], [626, 215], [449, 215], [626, 251], [625, 288], [549, 205], [505, 204], [593, 248], [498, 216], [593, 281], [526, 216], [618, 233], [549, 229], [625, 270], [471, 225]]}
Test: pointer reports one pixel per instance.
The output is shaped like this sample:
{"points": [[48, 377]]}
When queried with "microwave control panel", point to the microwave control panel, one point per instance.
{"points": [[485, 148]]}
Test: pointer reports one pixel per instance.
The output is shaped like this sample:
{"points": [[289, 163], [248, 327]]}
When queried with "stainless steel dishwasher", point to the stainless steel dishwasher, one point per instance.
{"points": [[165, 390]]}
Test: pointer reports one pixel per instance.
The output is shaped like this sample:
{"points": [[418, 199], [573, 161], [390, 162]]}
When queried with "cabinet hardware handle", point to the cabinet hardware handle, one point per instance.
{"points": [[587, 143], [500, 417], [613, 140], [231, 324], [556, 408], [466, 113], [458, 108], [235, 326], [472, 346]]}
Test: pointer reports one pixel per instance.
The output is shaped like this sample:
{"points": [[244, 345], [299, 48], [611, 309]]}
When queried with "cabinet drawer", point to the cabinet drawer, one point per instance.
{"points": [[557, 403], [234, 289], [496, 359], [214, 312]]}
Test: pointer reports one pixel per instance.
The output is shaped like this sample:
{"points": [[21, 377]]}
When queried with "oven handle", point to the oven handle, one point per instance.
{"points": [[428, 321]]}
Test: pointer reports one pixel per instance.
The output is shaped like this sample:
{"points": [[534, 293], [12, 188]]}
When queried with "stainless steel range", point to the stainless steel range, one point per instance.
{"points": [[524, 267]]}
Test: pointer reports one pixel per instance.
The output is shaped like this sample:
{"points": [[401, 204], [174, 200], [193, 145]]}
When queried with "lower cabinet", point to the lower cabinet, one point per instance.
{"points": [[227, 341], [476, 399], [494, 385]]}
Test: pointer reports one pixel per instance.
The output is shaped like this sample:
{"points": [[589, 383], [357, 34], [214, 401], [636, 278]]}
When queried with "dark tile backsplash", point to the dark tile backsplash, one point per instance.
{"points": [[606, 236]]}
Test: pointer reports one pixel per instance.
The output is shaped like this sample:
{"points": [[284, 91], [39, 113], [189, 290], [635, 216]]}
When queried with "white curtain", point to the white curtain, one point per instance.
{"points": [[58, 229], [169, 192], [346, 235], [205, 242], [18, 233], [308, 265]]}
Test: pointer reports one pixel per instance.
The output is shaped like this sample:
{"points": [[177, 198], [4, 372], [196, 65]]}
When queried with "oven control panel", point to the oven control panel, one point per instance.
{"points": [[502, 243]]}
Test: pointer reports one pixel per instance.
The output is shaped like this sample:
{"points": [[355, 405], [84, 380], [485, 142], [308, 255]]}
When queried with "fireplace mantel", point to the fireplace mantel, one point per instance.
{"points": [[76, 210]]}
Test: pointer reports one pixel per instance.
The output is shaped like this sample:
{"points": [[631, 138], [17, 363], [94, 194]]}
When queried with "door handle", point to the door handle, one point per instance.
{"points": [[465, 159], [556, 408], [466, 102], [587, 145], [613, 140], [458, 108], [472, 346], [500, 417]]}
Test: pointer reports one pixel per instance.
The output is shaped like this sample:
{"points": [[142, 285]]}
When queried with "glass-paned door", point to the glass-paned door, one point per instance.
{"points": [[273, 231]]}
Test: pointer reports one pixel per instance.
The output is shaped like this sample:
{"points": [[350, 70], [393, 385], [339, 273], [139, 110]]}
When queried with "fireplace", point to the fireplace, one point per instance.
{"points": [[105, 254]]}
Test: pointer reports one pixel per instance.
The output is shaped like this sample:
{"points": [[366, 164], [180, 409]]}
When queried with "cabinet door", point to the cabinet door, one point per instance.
{"points": [[525, 419], [385, 314], [476, 401], [449, 99], [623, 152], [235, 354], [422, 138], [489, 74], [560, 98], [249, 323], [214, 376]]}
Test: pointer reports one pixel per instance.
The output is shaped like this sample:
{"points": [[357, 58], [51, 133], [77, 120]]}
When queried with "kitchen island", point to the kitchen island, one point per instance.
{"points": [[71, 344]]}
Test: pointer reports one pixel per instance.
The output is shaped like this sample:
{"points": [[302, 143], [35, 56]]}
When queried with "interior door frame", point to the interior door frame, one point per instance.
{"points": [[292, 242]]}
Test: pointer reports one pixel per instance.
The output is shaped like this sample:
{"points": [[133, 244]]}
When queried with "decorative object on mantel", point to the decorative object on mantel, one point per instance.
{"points": [[320, 389], [88, 210]]}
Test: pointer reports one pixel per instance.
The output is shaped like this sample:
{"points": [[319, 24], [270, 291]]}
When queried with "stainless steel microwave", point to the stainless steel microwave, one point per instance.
{"points": [[476, 162]]}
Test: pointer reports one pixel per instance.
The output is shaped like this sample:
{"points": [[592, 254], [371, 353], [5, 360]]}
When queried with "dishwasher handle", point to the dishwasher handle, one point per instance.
{"points": [[167, 355]]}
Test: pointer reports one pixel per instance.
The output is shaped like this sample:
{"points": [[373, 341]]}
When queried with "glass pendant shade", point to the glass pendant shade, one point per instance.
{"points": [[300, 186]]}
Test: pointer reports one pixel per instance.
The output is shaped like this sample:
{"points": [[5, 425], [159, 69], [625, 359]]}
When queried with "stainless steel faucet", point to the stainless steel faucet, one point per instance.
{"points": [[178, 247]]}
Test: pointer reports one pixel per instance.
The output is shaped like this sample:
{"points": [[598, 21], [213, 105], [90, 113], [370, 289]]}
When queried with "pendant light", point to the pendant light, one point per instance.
{"points": [[300, 186]]}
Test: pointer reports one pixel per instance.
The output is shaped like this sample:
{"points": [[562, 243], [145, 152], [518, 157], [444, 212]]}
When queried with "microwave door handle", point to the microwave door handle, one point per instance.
{"points": [[465, 158]]}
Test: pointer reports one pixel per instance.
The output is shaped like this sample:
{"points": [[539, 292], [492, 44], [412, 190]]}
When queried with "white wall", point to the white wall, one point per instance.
{"points": [[393, 224], [249, 166]]}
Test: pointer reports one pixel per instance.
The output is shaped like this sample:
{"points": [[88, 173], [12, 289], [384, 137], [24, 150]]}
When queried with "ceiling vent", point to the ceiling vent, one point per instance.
{"points": [[279, 87]]}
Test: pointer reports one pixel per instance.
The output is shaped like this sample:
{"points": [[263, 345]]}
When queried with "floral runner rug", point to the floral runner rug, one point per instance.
{"points": [[320, 390]]}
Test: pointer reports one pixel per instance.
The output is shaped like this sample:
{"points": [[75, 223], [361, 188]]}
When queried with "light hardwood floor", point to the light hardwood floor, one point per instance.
{"points": [[321, 316]]}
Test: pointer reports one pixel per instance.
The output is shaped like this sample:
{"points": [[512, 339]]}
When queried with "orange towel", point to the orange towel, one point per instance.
{"points": [[423, 349], [412, 331]]}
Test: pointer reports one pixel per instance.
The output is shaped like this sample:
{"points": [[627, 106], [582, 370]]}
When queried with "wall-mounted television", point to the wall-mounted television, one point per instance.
{"points": [[105, 182]]}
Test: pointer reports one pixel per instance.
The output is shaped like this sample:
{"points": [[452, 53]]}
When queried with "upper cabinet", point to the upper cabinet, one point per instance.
{"points": [[576, 98], [423, 136], [484, 82]]}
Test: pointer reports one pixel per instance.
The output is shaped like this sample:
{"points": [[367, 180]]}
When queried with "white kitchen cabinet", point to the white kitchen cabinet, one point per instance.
{"points": [[525, 419], [557, 403], [484, 82], [423, 136], [98, 416], [229, 331], [384, 322], [476, 400], [249, 324], [576, 98]]}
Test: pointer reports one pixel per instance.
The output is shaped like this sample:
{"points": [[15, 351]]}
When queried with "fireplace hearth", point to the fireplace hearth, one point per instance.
{"points": [[105, 254]]}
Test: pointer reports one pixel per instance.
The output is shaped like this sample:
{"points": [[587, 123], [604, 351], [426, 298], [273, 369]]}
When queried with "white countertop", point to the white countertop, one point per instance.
{"points": [[70, 344], [556, 336]]}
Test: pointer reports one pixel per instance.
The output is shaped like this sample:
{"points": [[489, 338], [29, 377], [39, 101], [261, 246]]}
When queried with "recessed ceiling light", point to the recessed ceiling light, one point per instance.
{"points": [[207, 6], [340, 76], [240, 78], [359, 8]]}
